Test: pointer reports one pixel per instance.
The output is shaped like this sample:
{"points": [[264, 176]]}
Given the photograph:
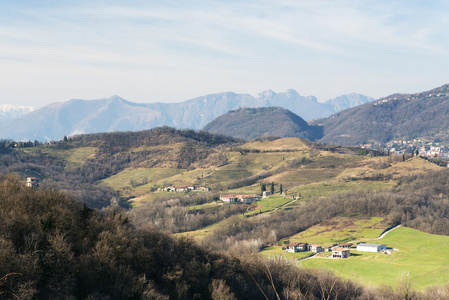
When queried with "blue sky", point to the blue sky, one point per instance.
{"points": [[170, 51]]}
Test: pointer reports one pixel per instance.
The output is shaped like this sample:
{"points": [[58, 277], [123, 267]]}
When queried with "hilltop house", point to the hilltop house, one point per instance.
{"points": [[371, 247], [340, 252], [32, 182]]}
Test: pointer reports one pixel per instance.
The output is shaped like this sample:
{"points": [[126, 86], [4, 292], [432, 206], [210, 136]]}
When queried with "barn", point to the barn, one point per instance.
{"points": [[371, 247]]}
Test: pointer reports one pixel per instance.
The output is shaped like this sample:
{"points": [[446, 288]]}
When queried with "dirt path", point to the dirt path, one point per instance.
{"points": [[385, 233], [285, 204]]}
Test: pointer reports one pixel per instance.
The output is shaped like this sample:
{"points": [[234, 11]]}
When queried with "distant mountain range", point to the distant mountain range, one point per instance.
{"points": [[10, 111], [56, 120], [400, 116], [250, 123]]}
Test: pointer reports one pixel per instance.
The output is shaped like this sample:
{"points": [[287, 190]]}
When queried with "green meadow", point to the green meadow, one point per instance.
{"points": [[124, 178], [420, 258]]}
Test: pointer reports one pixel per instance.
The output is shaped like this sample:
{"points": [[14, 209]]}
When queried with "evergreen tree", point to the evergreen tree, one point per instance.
{"points": [[272, 188]]}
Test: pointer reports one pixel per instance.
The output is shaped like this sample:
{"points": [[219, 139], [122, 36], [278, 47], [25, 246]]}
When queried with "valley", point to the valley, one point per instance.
{"points": [[320, 194]]}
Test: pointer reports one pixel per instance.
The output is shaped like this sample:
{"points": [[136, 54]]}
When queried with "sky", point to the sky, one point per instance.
{"points": [[171, 51]]}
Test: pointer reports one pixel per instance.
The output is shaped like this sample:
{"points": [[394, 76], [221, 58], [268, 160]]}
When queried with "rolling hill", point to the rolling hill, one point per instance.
{"points": [[321, 184], [399, 116], [250, 123]]}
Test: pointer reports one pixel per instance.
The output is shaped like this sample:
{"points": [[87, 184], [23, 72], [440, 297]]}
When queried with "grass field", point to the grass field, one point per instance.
{"points": [[123, 179], [277, 251], [340, 230], [316, 190], [421, 257], [269, 204], [334, 231], [285, 144]]}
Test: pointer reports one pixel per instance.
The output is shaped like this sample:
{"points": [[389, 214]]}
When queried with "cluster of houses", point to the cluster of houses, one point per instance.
{"points": [[247, 199], [420, 147], [340, 251], [184, 189]]}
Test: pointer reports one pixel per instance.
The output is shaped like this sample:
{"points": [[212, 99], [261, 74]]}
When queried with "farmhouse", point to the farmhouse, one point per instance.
{"points": [[371, 247], [186, 188], [247, 199], [265, 194], [291, 248], [340, 252], [32, 182], [176, 189], [229, 198], [345, 245], [315, 248], [296, 247]]}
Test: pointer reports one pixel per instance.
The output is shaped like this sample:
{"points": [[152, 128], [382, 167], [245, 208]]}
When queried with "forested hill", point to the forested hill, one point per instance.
{"points": [[399, 116], [153, 137], [250, 123]]}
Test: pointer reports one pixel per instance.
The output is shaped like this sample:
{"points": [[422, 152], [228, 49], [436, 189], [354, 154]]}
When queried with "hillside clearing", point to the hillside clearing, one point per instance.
{"points": [[422, 258]]}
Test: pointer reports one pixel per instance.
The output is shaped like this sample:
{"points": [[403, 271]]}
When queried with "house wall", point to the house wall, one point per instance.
{"points": [[371, 248]]}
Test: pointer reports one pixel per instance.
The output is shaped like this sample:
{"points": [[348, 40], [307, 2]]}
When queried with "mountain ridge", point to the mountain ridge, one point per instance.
{"points": [[398, 116], [76, 116]]}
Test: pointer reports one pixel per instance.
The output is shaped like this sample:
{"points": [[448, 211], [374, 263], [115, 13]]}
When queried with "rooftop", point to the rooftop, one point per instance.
{"points": [[371, 245]]}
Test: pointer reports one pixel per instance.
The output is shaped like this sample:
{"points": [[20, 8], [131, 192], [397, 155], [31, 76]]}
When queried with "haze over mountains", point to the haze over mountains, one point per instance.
{"points": [[56, 120], [10, 111]]}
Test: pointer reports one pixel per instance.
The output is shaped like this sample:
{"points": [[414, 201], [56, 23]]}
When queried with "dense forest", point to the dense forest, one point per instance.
{"points": [[251, 123], [53, 247]]}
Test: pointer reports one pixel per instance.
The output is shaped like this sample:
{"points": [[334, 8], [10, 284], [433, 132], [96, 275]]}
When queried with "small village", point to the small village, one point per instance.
{"points": [[342, 250], [418, 147]]}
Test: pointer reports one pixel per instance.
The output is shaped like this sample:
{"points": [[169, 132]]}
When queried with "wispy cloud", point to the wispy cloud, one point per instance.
{"points": [[226, 45]]}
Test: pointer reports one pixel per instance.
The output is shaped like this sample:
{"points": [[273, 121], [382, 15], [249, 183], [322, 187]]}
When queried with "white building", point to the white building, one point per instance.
{"points": [[371, 247], [32, 182], [247, 199], [265, 194]]}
